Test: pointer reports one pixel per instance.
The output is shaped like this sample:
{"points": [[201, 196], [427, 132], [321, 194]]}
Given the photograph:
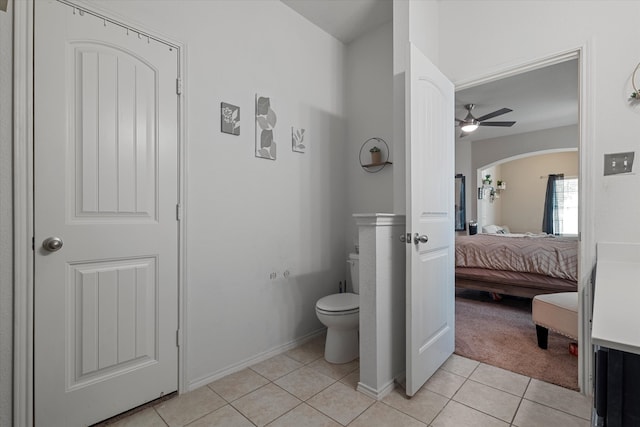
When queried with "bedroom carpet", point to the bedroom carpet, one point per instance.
{"points": [[501, 333]]}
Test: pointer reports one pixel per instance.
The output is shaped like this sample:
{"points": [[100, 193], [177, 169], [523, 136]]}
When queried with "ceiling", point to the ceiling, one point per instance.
{"points": [[346, 20], [540, 99]]}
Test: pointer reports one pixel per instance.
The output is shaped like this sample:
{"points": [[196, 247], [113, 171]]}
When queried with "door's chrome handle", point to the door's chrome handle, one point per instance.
{"points": [[420, 239], [52, 244]]}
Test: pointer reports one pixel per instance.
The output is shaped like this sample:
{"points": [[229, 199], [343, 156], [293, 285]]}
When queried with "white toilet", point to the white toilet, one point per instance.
{"points": [[340, 313]]}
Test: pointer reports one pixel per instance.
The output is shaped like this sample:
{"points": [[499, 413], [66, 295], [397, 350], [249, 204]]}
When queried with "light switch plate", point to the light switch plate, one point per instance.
{"points": [[618, 163]]}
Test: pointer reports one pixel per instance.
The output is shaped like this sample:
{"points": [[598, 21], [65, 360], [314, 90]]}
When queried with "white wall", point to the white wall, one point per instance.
{"points": [[6, 222], [249, 217], [522, 203], [489, 211], [368, 90], [522, 31]]}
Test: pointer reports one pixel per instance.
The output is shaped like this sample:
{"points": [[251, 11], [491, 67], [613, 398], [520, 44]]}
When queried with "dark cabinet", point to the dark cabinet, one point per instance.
{"points": [[617, 388]]}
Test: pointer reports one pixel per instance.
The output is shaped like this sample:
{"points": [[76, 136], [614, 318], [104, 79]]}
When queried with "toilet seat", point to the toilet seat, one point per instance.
{"points": [[339, 304]]}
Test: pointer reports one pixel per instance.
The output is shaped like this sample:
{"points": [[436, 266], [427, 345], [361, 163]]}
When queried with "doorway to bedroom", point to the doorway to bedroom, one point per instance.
{"points": [[507, 169]]}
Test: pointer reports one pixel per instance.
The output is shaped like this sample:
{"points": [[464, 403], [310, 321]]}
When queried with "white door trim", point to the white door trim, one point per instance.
{"points": [[23, 197], [587, 252]]}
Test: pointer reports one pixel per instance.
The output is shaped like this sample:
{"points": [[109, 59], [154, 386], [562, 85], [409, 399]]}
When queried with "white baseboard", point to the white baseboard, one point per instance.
{"points": [[199, 382], [377, 394]]}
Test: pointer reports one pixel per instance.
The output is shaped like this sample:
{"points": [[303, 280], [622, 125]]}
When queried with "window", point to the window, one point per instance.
{"points": [[561, 206], [567, 193]]}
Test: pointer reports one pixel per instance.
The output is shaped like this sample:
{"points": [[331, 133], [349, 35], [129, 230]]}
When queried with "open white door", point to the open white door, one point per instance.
{"points": [[106, 232], [430, 228]]}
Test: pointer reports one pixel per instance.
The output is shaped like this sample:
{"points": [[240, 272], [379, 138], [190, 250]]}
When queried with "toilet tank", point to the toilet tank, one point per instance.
{"points": [[354, 264]]}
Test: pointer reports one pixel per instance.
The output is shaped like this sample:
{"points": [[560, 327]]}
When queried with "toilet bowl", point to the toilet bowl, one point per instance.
{"points": [[340, 313]]}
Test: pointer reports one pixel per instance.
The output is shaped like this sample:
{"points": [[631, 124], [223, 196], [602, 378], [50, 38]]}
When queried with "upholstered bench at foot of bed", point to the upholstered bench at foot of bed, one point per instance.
{"points": [[558, 312]]}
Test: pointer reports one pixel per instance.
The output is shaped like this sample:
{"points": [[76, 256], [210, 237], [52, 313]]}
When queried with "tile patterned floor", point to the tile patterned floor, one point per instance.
{"points": [[299, 389]]}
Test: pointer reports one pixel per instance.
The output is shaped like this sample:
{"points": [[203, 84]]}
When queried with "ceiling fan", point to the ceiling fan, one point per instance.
{"points": [[471, 123]]}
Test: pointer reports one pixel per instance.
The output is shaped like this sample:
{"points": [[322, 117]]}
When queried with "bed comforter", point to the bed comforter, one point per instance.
{"points": [[540, 254]]}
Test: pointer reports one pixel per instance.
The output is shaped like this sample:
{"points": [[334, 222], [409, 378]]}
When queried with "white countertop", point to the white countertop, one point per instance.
{"points": [[616, 305]]}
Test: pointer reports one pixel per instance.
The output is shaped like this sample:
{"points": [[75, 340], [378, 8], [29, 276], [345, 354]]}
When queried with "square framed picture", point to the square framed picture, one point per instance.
{"points": [[229, 118]]}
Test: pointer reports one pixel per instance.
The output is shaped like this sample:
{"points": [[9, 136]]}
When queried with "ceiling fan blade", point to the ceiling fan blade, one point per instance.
{"points": [[459, 121], [502, 124], [494, 114]]}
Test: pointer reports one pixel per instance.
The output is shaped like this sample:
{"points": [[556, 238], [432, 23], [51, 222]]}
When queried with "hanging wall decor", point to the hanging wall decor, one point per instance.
{"points": [[229, 118], [298, 141], [265, 123], [635, 95]]}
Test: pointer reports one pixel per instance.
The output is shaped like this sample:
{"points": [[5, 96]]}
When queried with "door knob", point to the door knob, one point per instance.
{"points": [[52, 244], [420, 239]]}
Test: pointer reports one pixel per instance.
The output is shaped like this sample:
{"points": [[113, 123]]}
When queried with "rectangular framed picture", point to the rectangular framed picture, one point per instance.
{"points": [[265, 124], [298, 140], [229, 118]]}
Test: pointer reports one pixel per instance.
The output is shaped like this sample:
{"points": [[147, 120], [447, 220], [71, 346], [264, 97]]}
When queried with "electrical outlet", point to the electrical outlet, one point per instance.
{"points": [[618, 163]]}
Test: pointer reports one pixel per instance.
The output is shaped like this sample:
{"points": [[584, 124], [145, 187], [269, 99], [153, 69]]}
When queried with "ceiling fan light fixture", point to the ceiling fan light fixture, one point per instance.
{"points": [[469, 126]]}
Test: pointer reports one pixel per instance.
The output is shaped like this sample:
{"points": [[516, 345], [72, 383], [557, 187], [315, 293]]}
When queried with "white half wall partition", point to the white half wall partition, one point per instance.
{"points": [[382, 302]]}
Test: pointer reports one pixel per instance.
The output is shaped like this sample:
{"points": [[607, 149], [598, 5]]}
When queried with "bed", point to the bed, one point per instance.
{"points": [[523, 265]]}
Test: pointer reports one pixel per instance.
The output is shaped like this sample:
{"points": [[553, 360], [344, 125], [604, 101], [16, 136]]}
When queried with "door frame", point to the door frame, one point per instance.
{"points": [[587, 252], [23, 227]]}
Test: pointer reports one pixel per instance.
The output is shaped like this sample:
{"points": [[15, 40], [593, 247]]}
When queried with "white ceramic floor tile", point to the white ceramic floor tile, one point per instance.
{"points": [[226, 416], [333, 370], [188, 407], [423, 406], [304, 415], [265, 404], [444, 383], [340, 402], [145, 418], [381, 415], [460, 365], [560, 398], [531, 414], [332, 399], [309, 351], [238, 384], [304, 382], [457, 415], [352, 379], [489, 400], [501, 379], [276, 367]]}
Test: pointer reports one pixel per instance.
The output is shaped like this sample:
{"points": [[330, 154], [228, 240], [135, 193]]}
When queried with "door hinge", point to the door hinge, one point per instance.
{"points": [[178, 337], [33, 243], [179, 85], [178, 212]]}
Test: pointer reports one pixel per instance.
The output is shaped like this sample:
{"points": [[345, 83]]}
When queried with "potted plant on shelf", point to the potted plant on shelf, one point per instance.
{"points": [[376, 155], [487, 180]]}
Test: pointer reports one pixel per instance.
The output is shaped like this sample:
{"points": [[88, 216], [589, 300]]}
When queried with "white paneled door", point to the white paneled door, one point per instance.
{"points": [[430, 189], [106, 232]]}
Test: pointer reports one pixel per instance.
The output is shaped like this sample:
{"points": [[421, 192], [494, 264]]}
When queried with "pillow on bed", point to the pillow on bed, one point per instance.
{"points": [[495, 229], [490, 229]]}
